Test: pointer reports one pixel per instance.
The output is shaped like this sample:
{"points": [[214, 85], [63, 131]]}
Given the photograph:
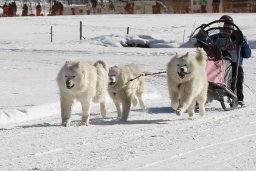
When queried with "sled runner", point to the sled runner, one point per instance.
{"points": [[222, 76]]}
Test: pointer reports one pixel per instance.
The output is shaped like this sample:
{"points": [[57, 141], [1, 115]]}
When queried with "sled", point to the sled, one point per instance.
{"points": [[222, 77]]}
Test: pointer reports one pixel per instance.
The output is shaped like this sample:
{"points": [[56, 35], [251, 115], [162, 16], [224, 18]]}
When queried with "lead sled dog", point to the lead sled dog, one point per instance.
{"points": [[84, 82], [125, 91], [187, 82]]}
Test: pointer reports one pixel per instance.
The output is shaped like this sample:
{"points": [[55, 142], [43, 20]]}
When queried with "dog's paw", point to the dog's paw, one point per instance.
{"points": [[144, 109], [66, 124], [119, 115], [202, 113], [103, 113], [178, 112], [84, 124], [104, 116], [191, 118], [191, 114], [123, 119], [85, 120]]}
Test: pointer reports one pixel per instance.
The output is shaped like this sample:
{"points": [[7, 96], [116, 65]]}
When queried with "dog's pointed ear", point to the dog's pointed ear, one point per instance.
{"points": [[177, 55], [201, 55], [114, 67], [185, 56], [77, 64], [67, 62]]}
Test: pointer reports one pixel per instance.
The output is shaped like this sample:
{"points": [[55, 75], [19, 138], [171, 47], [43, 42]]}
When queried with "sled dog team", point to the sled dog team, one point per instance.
{"points": [[87, 83]]}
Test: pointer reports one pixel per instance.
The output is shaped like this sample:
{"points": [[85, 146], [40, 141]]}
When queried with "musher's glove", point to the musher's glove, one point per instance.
{"points": [[201, 38], [201, 35], [238, 36]]}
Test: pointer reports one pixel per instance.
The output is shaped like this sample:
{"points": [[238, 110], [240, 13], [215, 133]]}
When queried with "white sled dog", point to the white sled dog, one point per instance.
{"points": [[125, 91], [187, 82], [84, 82]]}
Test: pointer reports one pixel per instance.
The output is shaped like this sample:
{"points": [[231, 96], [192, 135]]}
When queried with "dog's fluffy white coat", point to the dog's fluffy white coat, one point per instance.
{"points": [[187, 82], [123, 91], [84, 82]]}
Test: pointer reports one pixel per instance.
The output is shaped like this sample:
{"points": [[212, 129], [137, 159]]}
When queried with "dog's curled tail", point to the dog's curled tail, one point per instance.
{"points": [[101, 63], [201, 55]]}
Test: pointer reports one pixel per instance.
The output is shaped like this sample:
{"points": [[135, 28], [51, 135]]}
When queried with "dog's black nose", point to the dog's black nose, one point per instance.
{"points": [[112, 79], [68, 82], [184, 69]]}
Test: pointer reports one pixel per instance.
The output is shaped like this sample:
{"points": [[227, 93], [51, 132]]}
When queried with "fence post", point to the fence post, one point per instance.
{"points": [[81, 30], [128, 30], [51, 34]]}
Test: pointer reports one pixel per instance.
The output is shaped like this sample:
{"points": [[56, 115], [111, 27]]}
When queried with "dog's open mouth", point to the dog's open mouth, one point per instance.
{"points": [[70, 86], [111, 83], [183, 74]]}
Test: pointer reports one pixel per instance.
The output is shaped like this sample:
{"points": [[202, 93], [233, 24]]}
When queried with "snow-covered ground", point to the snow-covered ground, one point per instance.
{"points": [[155, 139]]}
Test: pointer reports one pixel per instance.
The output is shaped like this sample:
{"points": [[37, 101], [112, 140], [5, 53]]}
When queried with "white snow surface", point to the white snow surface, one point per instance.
{"points": [[156, 139]]}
